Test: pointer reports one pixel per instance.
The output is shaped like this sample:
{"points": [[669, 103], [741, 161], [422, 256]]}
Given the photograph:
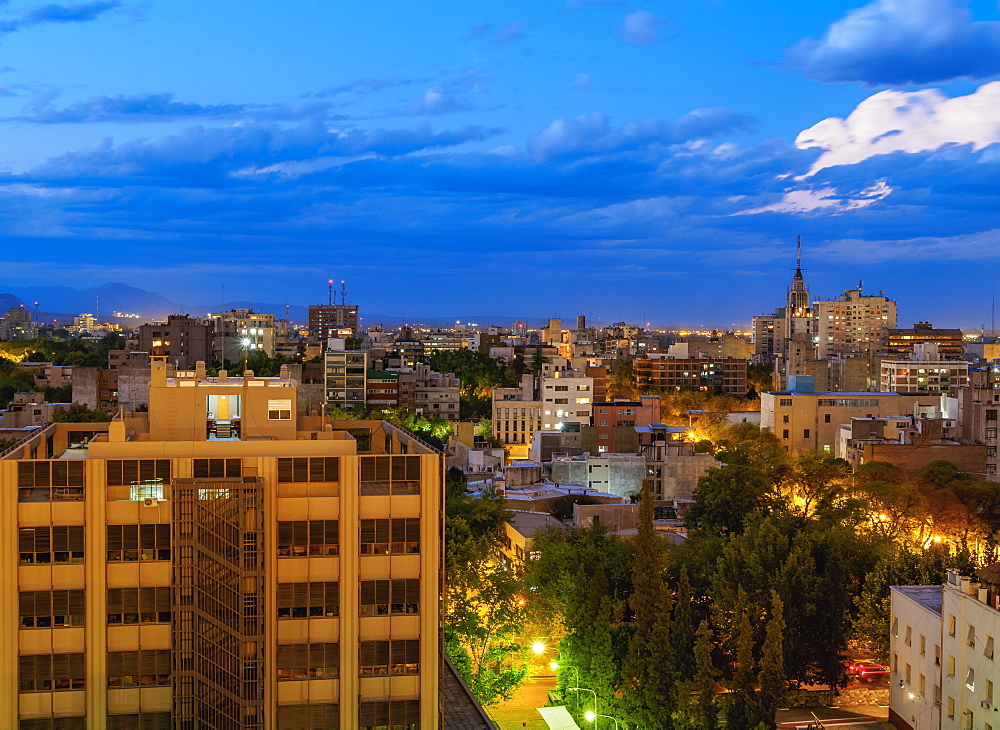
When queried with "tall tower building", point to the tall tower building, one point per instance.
{"points": [[220, 562], [798, 313]]}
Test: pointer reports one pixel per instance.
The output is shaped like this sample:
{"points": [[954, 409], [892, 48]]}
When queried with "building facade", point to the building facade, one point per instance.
{"points": [[853, 322], [668, 373], [332, 320], [183, 340], [220, 562]]}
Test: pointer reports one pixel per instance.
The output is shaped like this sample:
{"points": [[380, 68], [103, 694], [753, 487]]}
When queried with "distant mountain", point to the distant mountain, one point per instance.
{"points": [[114, 296], [9, 302]]}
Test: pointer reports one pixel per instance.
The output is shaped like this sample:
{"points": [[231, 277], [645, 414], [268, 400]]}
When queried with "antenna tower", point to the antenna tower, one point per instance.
{"points": [[329, 291], [343, 292]]}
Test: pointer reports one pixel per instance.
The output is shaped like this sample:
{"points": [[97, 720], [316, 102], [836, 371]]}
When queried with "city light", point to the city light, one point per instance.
{"points": [[590, 716], [538, 647]]}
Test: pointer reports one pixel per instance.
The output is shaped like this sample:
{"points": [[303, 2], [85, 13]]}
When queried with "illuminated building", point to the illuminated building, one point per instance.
{"points": [[220, 561], [182, 339], [331, 320], [240, 332]]}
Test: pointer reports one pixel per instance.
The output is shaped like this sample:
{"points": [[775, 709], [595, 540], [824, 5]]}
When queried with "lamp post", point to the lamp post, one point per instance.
{"points": [[592, 717], [246, 343], [584, 689]]}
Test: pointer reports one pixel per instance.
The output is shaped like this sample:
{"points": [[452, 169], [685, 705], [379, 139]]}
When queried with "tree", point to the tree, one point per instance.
{"points": [[725, 497], [743, 710], [705, 676], [621, 384], [649, 676], [487, 624], [598, 669], [682, 630], [78, 413], [771, 678]]}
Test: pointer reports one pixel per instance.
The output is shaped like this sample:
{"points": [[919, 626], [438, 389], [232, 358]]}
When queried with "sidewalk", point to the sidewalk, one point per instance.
{"points": [[519, 711]]}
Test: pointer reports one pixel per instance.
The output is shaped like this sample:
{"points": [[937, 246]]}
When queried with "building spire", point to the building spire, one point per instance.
{"points": [[798, 254]]}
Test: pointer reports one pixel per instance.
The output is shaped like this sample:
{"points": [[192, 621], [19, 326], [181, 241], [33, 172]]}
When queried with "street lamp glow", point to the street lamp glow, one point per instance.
{"points": [[246, 342], [590, 716], [538, 647], [553, 665]]}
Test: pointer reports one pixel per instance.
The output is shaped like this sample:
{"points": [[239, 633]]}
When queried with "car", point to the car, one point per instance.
{"points": [[866, 670]]}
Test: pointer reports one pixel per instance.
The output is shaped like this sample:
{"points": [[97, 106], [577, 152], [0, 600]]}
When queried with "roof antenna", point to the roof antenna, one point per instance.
{"points": [[798, 253], [329, 291], [343, 292]]}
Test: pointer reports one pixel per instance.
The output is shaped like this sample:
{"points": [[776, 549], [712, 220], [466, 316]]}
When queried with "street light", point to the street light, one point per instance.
{"points": [[246, 343], [584, 689], [592, 716]]}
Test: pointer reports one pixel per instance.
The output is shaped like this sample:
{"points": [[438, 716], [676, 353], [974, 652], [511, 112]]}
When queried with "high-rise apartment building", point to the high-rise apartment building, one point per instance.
{"points": [[328, 320], [182, 339], [240, 332], [346, 374], [220, 562], [854, 322]]}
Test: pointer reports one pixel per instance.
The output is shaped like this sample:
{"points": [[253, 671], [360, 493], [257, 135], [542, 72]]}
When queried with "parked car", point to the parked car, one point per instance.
{"points": [[867, 671]]}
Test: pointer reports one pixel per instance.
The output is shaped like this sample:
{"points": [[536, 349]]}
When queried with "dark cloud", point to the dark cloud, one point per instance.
{"points": [[136, 108], [893, 42], [591, 134], [59, 13], [365, 85]]}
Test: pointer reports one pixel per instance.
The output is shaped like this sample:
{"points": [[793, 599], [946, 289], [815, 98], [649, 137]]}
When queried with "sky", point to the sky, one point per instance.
{"points": [[638, 161]]}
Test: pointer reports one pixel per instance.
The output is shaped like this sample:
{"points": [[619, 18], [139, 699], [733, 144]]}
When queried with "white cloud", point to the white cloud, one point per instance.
{"points": [[827, 200], [642, 28], [901, 121]]}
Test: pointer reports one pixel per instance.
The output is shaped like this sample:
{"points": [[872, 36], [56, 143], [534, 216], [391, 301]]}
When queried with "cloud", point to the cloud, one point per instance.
{"points": [[900, 121], [642, 28], [79, 13], [591, 134], [895, 42], [582, 81], [60, 13], [510, 31], [136, 108], [825, 200], [364, 85]]}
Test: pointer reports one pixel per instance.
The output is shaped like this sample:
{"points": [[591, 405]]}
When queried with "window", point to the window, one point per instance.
{"points": [[50, 672], [991, 415], [131, 543], [937, 655], [44, 545], [308, 600], [805, 433], [134, 471], [784, 433], [309, 469], [383, 597], [382, 475], [279, 410], [68, 723], [923, 644], [785, 402], [300, 539], [217, 468], [991, 433], [951, 625], [970, 680], [988, 649], [50, 609], [139, 605], [146, 668], [988, 692], [895, 626], [784, 418], [308, 661], [909, 674], [316, 715], [826, 418], [397, 714], [951, 666], [921, 685], [909, 636], [50, 481], [396, 536], [970, 639], [951, 707], [390, 658]]}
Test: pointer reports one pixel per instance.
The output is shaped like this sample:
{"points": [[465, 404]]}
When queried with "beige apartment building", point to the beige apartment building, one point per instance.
{"points": [[810, 420], [853, 322], [516, 417], [925, 371], [220, 562]]}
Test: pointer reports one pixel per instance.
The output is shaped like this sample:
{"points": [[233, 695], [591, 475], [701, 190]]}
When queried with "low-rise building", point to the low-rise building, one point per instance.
{"points": [[725, 374], [673, 467], [908, 442], [620, 474], [925, 371]]}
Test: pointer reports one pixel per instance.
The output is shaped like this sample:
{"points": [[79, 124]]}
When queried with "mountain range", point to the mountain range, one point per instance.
{"points": [[62, 303]]}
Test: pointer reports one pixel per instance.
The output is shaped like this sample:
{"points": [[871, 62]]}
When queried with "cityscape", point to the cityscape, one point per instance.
{"points": [[582, 364]]}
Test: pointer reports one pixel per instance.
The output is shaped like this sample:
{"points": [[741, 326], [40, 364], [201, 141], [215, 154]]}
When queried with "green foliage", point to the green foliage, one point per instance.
{"points": [[649, 676], [771, 677], [77, 413], [725, 497], [704, 681], [621, 383], [742, 710], [682, 630]]}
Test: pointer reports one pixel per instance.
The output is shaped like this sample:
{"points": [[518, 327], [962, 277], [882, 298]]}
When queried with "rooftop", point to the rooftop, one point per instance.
{"points": [[930, 597], [528, 523]]}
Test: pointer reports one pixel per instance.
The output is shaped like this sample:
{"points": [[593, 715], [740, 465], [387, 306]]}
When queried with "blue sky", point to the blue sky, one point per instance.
{"points": [[647, 161]]}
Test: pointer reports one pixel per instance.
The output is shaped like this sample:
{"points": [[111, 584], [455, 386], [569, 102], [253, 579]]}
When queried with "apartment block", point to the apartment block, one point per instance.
{"points": [[942, 643], [853, 322], [810, 420], [345, 372], [183, 340], [925, 371], [666, 373], [241, 332], [220, 562], [567, 396], [516, 418], [332, 320]]}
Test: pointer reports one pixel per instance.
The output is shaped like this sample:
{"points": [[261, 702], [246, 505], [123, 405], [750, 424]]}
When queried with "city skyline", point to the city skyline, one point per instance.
{"points": [[637, 162]]}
